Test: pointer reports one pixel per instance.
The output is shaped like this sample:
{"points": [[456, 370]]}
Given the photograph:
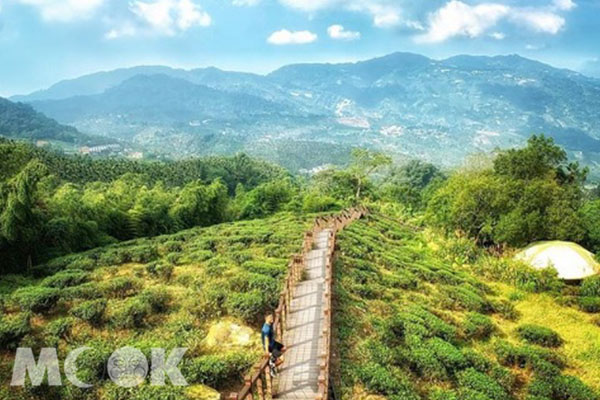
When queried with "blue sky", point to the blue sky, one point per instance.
{"points": [[44, 41]]}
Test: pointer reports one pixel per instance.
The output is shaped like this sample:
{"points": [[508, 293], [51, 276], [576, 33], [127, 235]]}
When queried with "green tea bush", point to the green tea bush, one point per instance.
{"points": [[559, 388], [265, 268], [474, 380], [210, 302], [13, 329], [157, 297], [90, 290], [506, 309], [449, 355], [160, 270], [121, 286], [526, 356], [386, 381], [91, 311], [590, 287], [66, 278], [478, 326], [466, 298], [423, 361], [217, 370], [36, 298], [250, 306], [540, 335], [590, 304], [91, 364], [131, 313], [58, 329]]}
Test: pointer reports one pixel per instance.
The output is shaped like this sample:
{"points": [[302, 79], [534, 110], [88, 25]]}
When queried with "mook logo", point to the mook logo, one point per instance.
{"points": [[126, 367]]}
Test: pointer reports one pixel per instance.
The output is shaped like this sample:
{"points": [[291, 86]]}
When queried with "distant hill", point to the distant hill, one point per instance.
{"points": [[21, 121], [592, 68], [407, 104]]}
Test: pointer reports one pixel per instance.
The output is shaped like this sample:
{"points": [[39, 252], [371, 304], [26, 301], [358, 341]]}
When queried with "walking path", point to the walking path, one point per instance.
{"points": [[299, 374]]}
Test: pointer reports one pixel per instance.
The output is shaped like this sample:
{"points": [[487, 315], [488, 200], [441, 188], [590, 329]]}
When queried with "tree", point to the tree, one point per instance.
{"points": [[22, 219], [364, 163]]}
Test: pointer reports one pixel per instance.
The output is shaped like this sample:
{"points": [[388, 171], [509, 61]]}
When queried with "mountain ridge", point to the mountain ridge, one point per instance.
{"points": [[407, 104]]}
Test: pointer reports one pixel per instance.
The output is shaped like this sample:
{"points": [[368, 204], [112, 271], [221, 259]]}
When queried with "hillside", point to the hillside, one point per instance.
{"points": [[21, 121], [421, 316], [193, 289], [406, 104]]}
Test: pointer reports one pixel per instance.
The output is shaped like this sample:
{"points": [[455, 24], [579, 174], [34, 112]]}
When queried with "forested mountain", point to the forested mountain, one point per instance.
{"points": [[21, 121], [407, 104]]}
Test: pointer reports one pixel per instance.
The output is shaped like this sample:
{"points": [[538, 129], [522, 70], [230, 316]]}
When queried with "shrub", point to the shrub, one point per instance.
{"points": [[36, 298], [590, 287], [450, 356], [506, 309], [88, 291], [478, 326], [157, 297], [217, 370], [58, 329], [249, 306], [589, 304], [475, 380], [386, 381], [526, 356], [121, 286], [66, 278], [13, 329], [91, 364], [91, 311], [160, 270], [536, 334], [131, 313]]}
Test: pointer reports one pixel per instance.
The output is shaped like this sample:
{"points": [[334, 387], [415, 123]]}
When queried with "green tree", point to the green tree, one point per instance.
{"points": [[364, 163], [22, 218]]}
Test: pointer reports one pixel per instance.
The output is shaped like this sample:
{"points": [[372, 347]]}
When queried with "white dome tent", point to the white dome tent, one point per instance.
{"points": [[571, 261]]}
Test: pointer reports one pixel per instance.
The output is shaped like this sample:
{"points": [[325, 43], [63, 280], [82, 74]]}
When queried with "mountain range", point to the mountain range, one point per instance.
{"points": [[307, 115]]}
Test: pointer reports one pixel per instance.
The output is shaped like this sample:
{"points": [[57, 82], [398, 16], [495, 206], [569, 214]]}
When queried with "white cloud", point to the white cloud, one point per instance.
{"points": [[565, 5], [285, 36], [460, 19], [385, 13], [166, 17], [338, 32], [64, 10], [539, 21], [248, 3], [497, 35]]}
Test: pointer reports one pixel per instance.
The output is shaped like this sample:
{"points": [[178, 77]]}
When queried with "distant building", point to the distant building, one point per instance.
{"points": [[41, 143], [99, 149], [136, 155]]}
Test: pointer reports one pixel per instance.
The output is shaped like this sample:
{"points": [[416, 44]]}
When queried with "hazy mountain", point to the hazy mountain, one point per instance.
{"points": [[407, 104], [21, 121], [591, 68]]}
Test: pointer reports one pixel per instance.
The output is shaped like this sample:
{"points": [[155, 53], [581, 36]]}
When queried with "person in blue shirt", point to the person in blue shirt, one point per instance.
{"points": [[272, 347]]}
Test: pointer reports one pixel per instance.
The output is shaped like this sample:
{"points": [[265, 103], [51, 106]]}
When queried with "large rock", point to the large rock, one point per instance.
{"points": [[571, 261], [230, 334]]}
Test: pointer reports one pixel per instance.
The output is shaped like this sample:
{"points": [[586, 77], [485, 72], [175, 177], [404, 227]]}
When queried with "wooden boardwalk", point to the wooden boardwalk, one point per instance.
{"points": [[299, 374]]}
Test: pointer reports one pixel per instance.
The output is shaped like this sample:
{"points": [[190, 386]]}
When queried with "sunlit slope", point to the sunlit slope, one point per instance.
{"points": [[203, 289], [415, 322]]}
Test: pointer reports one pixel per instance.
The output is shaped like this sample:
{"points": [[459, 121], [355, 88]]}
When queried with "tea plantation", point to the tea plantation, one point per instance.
{"points": [[195, 289], [417, 318]]}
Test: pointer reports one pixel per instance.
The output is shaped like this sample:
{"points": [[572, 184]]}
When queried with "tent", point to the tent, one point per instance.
{"points": [[571, 261]]}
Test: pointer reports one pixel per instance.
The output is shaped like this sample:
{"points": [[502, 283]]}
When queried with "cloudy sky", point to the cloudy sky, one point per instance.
{"points": [[43, 41]]}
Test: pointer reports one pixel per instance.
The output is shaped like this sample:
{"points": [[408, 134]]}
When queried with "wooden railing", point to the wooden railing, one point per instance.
{"points": [[259, 384]]}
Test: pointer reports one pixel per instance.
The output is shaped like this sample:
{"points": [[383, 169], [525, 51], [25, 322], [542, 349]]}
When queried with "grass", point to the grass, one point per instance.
{"points": [[165, 292], [580, 334]]}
